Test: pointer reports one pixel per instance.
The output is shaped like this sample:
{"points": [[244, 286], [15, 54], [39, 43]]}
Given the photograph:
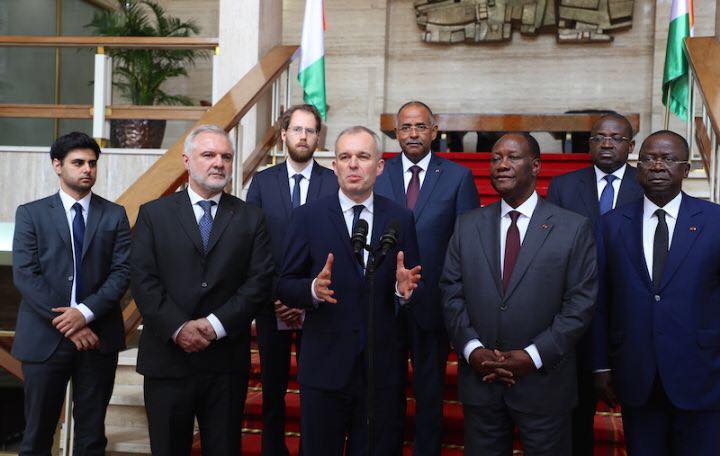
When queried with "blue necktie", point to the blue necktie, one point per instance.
{"points": [[206, 222], [296, 191], [357, 210], [78, 227], [608, 194]]}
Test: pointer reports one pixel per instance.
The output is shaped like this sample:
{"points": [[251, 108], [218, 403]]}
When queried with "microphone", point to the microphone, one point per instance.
{"points": [[389, 238], [359, 238]]}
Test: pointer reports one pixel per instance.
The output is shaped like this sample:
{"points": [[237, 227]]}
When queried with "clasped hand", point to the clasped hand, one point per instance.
{"points": [[195, 335], [72, 324], [504, 367]]}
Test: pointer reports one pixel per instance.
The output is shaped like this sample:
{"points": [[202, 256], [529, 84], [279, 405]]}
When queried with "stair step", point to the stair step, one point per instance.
{"points": [[124, 440]]}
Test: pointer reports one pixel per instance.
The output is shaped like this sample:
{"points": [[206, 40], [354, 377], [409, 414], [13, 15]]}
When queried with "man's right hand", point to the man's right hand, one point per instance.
{"points": [[84, 339], [191, 339], [604, 388], [481, 355], [288, 315], [323, 281]]}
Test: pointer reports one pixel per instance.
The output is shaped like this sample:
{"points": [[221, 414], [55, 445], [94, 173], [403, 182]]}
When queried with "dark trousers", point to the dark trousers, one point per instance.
{"points": [[583, 415], [428, 354], [216, 399], [328, 417], [658, 428], [489, 431], [275, 350], [92, 374]]}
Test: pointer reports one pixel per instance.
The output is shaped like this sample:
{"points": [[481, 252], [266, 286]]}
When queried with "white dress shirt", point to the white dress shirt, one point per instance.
{"points": [[67, 202], [650, 222], [526, 210], [424, 164], [304, 182], [601, 182], [199, 212]]}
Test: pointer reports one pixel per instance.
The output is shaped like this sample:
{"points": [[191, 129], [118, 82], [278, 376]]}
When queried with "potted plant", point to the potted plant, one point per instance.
{"points": [[139, 74]]}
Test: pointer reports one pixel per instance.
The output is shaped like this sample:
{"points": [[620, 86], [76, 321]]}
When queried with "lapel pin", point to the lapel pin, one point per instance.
{"points": [[693, 228], [545, 226], [437, 170]]}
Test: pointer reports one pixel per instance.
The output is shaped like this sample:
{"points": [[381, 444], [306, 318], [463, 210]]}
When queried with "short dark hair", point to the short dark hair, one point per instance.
{"points": [[672, 134], [285, 118], [532, 143], [620, 118], [71, 141], [417, 103]]}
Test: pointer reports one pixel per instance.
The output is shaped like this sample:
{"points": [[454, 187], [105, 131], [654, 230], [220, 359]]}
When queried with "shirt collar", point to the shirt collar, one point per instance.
{"points": [[424, 163], [619, 173], [527, 208], [672, 208], [306, 172], [347, 204], [68, 201], [194, 197]]}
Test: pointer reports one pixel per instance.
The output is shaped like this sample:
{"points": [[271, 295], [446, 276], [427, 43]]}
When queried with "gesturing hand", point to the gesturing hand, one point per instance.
{"points": [[323, 281], [190, 338], [407, 279], [69, 320], [85, 339]]}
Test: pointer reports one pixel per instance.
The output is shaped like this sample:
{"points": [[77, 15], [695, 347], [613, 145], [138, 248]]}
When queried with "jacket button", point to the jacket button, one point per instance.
{"points": [[204, 284], [70, 278], [657, 298]]}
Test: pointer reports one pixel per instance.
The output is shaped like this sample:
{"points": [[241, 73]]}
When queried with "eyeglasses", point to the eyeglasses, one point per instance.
{"points": [[420, 128], [665, 162], [299, 130], [599, 139]]}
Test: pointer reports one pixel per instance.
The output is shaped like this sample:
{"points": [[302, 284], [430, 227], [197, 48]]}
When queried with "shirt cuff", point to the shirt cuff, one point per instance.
{"points": [[86, 312], [217, 326], [315, 299], [177, 331], [399, 295], [597, 371], [535, 355], [469, 347]]}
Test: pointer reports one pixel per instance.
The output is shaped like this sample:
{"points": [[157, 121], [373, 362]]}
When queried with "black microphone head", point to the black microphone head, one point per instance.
{"points": [[361, 227], [393, 226], [359, 236]]}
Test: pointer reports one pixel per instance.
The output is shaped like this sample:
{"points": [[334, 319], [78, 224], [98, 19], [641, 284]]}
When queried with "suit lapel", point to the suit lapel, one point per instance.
{"points": [[225, 213], [338, 222], [283, 185], [625, 194], [187, 220], [94, 216], [315, 183], [687, 229], [379, 222], [395, 173], [432, 175], [537, 232], [489, 234], [632, 235], [588, 193], [57, 212]]}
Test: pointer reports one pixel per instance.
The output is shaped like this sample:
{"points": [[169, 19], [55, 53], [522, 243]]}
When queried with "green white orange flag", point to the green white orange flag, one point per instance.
{"points": [[675, 75], [311, 72]]}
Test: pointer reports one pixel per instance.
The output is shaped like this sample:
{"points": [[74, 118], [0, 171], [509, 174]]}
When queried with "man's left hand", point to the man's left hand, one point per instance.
{"points": [[518, 362], [206, 329], [69, 320], [407, 279]]}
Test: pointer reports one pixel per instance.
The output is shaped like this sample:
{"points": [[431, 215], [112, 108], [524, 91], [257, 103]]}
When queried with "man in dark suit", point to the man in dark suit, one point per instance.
{"points": [[437, 191], [201, 269], [278, 190], [610, 182], [323, 275], [657, 324], [70, 264], [519, 284]]}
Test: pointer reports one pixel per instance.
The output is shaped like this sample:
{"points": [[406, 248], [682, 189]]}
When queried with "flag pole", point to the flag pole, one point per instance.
{"points": [[667, 105]]}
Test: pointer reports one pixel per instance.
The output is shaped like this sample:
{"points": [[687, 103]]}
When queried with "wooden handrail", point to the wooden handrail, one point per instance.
{"points": [[703, 54], [47, 111], [136, 42], [10, 364], [511, 122], [702, 140], [269, 139]]}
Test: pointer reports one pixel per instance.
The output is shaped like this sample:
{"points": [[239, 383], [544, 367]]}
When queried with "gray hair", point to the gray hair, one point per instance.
{"points": [[206, 128], [356, 129]]}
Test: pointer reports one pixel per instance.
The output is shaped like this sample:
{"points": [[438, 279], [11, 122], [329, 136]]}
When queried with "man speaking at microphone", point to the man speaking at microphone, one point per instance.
{"points": [[323, 274]]}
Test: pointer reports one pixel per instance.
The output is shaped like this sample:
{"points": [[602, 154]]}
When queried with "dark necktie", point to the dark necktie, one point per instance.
{"points": [[512, 248], [78, 227], [206, 222], [413, 189], [660, 248], [608, 194], [357, 210], [295, 200]]}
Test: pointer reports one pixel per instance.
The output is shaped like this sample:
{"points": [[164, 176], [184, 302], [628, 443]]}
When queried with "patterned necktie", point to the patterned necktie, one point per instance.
{"points": [[661, 245], [413, 189], [206, 222], [78, 228], [512, 248], [608, 194], [296, 191]]}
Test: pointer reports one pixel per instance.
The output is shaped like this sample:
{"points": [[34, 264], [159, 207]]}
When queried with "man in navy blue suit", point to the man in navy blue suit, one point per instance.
{"points": [[610, 182], [278, 190], [323, 275], [657, 325], [437, 191]]}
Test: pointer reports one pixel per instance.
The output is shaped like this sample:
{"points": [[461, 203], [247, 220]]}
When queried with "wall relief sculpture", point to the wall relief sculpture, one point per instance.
{"points": [[476, 21]]}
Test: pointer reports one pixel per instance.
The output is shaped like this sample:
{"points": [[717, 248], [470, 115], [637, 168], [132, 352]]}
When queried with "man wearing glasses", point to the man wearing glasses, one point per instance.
{"points": [[610, 182], [278, 190], [656, 331]]}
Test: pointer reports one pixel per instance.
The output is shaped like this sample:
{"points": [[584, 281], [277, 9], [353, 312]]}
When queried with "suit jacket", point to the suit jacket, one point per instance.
{"points": [[174, 281], [333, 333], [548, 302], [577, 191], [447, 191], [674, 331], [43, 272]]}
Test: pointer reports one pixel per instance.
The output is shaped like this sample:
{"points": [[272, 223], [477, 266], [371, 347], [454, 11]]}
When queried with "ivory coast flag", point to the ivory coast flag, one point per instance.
{"points": [[311, 72], [675, 75]]}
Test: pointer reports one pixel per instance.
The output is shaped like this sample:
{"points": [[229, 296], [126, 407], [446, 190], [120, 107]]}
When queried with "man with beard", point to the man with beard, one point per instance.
{"points": [[278, 190], [437, 191], [657, 325], [519, 285], [608, 183], [201, 269]]}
